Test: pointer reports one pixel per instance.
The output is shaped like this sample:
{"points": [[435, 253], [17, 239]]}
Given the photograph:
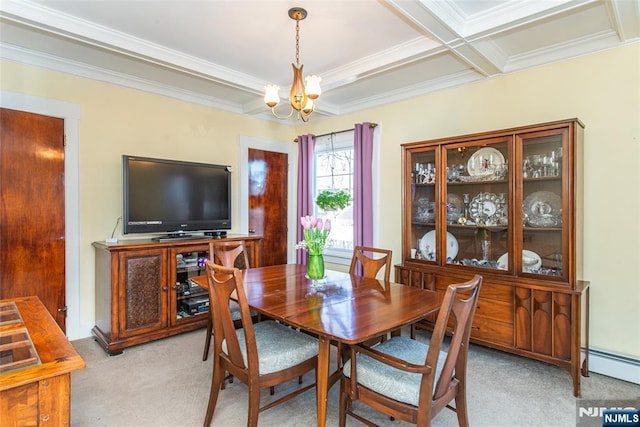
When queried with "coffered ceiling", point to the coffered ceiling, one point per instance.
{"points": [[368, 52]]}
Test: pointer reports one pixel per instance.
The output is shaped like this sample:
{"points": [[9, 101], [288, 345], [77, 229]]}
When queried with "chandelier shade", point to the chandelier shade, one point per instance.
{"points": [[301, 96]]}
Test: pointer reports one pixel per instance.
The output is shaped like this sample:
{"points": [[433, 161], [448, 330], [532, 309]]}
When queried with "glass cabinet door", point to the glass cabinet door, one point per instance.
{"points": [[476, 212], [422, 204], [543, 217]]}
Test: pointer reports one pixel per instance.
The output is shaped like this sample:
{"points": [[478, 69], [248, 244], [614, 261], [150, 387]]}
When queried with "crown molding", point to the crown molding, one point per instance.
{"points": [[583, 46], [53, 63]]}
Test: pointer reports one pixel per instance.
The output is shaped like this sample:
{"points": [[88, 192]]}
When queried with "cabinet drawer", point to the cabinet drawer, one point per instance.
{"points": [[493, 292], [492, 331], [488, 291], [495, 310]]}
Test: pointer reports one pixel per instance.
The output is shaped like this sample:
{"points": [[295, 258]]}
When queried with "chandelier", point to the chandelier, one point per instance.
{"points": [[301, 97]]}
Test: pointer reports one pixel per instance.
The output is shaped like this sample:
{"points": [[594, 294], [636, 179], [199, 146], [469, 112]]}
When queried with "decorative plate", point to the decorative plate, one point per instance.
{"points": [[488, 208], [531, 262], [542, 209], [485, 161], [427, 246]]}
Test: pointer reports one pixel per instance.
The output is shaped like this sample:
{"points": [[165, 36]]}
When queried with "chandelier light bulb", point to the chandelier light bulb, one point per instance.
{"points": [[271, 97], [313, 86]]}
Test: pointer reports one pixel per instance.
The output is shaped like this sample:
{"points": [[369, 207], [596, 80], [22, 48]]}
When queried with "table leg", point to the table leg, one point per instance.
{"points": [[322, 382]]}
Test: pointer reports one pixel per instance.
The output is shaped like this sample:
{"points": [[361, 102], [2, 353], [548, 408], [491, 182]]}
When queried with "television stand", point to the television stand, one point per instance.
{"points": [[216, 234], [141, 285]]}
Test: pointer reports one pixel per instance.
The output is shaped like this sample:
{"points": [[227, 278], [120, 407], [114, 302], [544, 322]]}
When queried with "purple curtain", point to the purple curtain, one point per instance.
{"points": [[306, 148], [363, 185]]}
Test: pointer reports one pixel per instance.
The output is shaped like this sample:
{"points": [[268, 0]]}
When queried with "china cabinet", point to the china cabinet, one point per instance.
{"points": [[144, 289], [504, 204]]}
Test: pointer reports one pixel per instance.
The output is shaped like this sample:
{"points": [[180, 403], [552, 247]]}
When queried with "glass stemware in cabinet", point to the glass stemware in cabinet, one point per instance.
{"points": [[422, 205], [542, 213]]}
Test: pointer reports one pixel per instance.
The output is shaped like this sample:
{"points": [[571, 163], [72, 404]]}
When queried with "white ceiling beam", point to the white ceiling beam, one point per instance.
{"points": [[394, 57], [506, 15], [625, 17], [444, 23]]}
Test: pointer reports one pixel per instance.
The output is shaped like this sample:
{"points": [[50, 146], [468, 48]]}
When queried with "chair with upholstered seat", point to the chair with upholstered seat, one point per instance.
{"points": [[261, 355], [410, 380], [372, 261], [228, 254]]}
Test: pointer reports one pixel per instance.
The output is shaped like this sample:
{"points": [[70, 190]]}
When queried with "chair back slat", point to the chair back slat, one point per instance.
{"points": [[367, 262], [460, 302], [224, 283], [229, 254]]}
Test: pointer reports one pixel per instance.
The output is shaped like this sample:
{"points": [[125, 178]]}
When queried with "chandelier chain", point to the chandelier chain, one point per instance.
{"points": [[297, 41]]}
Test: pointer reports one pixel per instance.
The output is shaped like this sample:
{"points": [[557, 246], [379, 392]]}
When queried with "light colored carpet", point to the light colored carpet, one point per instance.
{"points": [[166, 383]]}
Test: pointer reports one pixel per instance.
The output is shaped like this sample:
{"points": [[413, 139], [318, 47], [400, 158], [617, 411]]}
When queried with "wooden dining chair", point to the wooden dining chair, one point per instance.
{"points": [[410, 380], [261, 355], [228, 254], [367, 262]]}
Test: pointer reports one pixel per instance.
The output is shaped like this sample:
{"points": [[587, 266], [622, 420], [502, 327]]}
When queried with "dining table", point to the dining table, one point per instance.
{"points": [[340, 308]]}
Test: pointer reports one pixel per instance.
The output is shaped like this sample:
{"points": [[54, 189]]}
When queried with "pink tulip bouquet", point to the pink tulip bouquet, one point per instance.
{"points": [[316, 231]]}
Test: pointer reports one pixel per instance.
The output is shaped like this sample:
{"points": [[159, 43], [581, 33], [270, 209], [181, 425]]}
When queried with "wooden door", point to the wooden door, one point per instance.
{"points": [[32, 231], [268, 200]]}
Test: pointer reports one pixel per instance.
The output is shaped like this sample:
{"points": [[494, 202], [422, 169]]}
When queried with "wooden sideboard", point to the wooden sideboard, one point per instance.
{"points": [[143, 289], [34, 385]]}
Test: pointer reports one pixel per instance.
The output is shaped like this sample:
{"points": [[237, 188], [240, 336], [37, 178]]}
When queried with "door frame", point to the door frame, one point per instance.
{"points": [[247, 142], [70, 113]]}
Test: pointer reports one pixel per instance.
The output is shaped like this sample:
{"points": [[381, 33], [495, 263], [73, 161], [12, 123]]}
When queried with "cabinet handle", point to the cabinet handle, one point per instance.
{"points": [[165, 288]]}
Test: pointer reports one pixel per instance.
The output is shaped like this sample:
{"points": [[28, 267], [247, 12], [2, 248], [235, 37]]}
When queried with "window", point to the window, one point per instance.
{"points": [[334, 171]]}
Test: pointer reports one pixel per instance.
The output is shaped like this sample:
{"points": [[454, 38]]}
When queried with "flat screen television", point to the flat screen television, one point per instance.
{"points": [[172, 197]]}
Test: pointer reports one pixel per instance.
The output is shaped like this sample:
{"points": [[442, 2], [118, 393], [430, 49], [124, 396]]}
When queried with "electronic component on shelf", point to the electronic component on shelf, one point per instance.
{"points": [[195, 305], [189, 288]]}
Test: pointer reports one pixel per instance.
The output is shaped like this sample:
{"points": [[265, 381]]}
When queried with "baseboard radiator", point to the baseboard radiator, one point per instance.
{"points": [[614, 365]]}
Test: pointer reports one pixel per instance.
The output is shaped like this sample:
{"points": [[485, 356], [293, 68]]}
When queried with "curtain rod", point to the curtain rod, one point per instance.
{"points": [[371, 126]]}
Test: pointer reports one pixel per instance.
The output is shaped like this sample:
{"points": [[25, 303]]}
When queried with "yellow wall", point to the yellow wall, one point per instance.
{"points": [[602, 89]]}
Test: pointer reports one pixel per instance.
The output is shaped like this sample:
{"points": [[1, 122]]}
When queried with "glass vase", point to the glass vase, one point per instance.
{"points": [[486, 249], [315, 267]]}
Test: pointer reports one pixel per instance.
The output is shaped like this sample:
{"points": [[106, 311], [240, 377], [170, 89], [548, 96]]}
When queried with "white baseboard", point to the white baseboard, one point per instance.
{"points": [[80, 331], [614, 365]]}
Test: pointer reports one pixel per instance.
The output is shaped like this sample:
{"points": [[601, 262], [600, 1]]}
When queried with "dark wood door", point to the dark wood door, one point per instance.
{"points": [[32, 247], [268, 200]]}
